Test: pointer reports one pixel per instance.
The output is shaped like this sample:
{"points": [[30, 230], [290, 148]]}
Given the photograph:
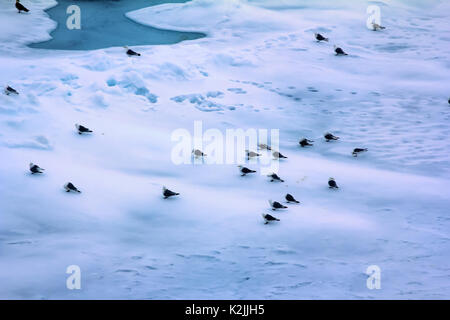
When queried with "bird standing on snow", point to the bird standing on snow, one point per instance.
{"points": [[305, 142], [274, 177], [276, 205], [70, 187], [332, 184], [198, 153], [264, 146], [20, 7], [278, 155], [328, 136], [168, 193], [290, 198], [82, 129], [131, 52], [34, 168], [320, 37], [245, 170], [9, 90], [251, 154], [357, 151], [268, 218], [339, 51], [376, 27]]}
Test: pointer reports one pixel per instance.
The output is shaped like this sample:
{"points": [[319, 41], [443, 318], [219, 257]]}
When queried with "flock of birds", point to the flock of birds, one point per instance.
{"points": [[275, 205]]}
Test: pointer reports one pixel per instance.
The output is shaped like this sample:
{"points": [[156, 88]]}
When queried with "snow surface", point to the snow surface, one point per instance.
{"points": [[259, 67]]}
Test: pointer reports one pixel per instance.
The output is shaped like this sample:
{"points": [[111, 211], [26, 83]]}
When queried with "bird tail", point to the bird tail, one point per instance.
{"points": [[326, 39], [281, 180]]}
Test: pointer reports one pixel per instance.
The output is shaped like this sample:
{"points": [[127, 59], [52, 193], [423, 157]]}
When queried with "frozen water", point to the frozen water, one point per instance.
{"points": [[105, 25], [259, 67]]}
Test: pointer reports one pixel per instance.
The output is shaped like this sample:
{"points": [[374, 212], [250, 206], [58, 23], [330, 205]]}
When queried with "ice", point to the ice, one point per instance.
{"points": [[258, 67], [107, 30]]}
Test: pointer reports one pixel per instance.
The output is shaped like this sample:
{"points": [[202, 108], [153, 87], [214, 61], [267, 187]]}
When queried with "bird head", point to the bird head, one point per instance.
{"points": [[31, 164], [77, 125], [164, 188], [126, 47], [331, 179], [239, 166]]}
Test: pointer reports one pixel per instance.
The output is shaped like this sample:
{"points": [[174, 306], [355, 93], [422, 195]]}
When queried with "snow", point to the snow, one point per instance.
{"points": [[259, 67]]}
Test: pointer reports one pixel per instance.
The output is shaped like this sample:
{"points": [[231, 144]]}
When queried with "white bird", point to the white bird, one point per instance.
{"points": [[252, 154], [198, 153], [376, 27]]}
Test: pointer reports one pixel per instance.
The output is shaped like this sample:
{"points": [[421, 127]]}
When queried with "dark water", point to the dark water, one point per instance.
{"points": [[104, 25]]}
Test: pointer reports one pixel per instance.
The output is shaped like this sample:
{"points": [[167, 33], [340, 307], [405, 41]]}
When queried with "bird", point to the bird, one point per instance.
{"points": [[9, 90], [320, 37], [376, 26], [34, 168], [245, 170], [251, 154], [82, 129], [168, 193], [198, 153], [290, 198], [357, 151], [276, 205], [332, 184], [305, 142], [20, 7], [274, 177], [278, 155], [339, 51], [70, 187], [328, 136], [131, 52], [264, 146], [268, 218]]}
